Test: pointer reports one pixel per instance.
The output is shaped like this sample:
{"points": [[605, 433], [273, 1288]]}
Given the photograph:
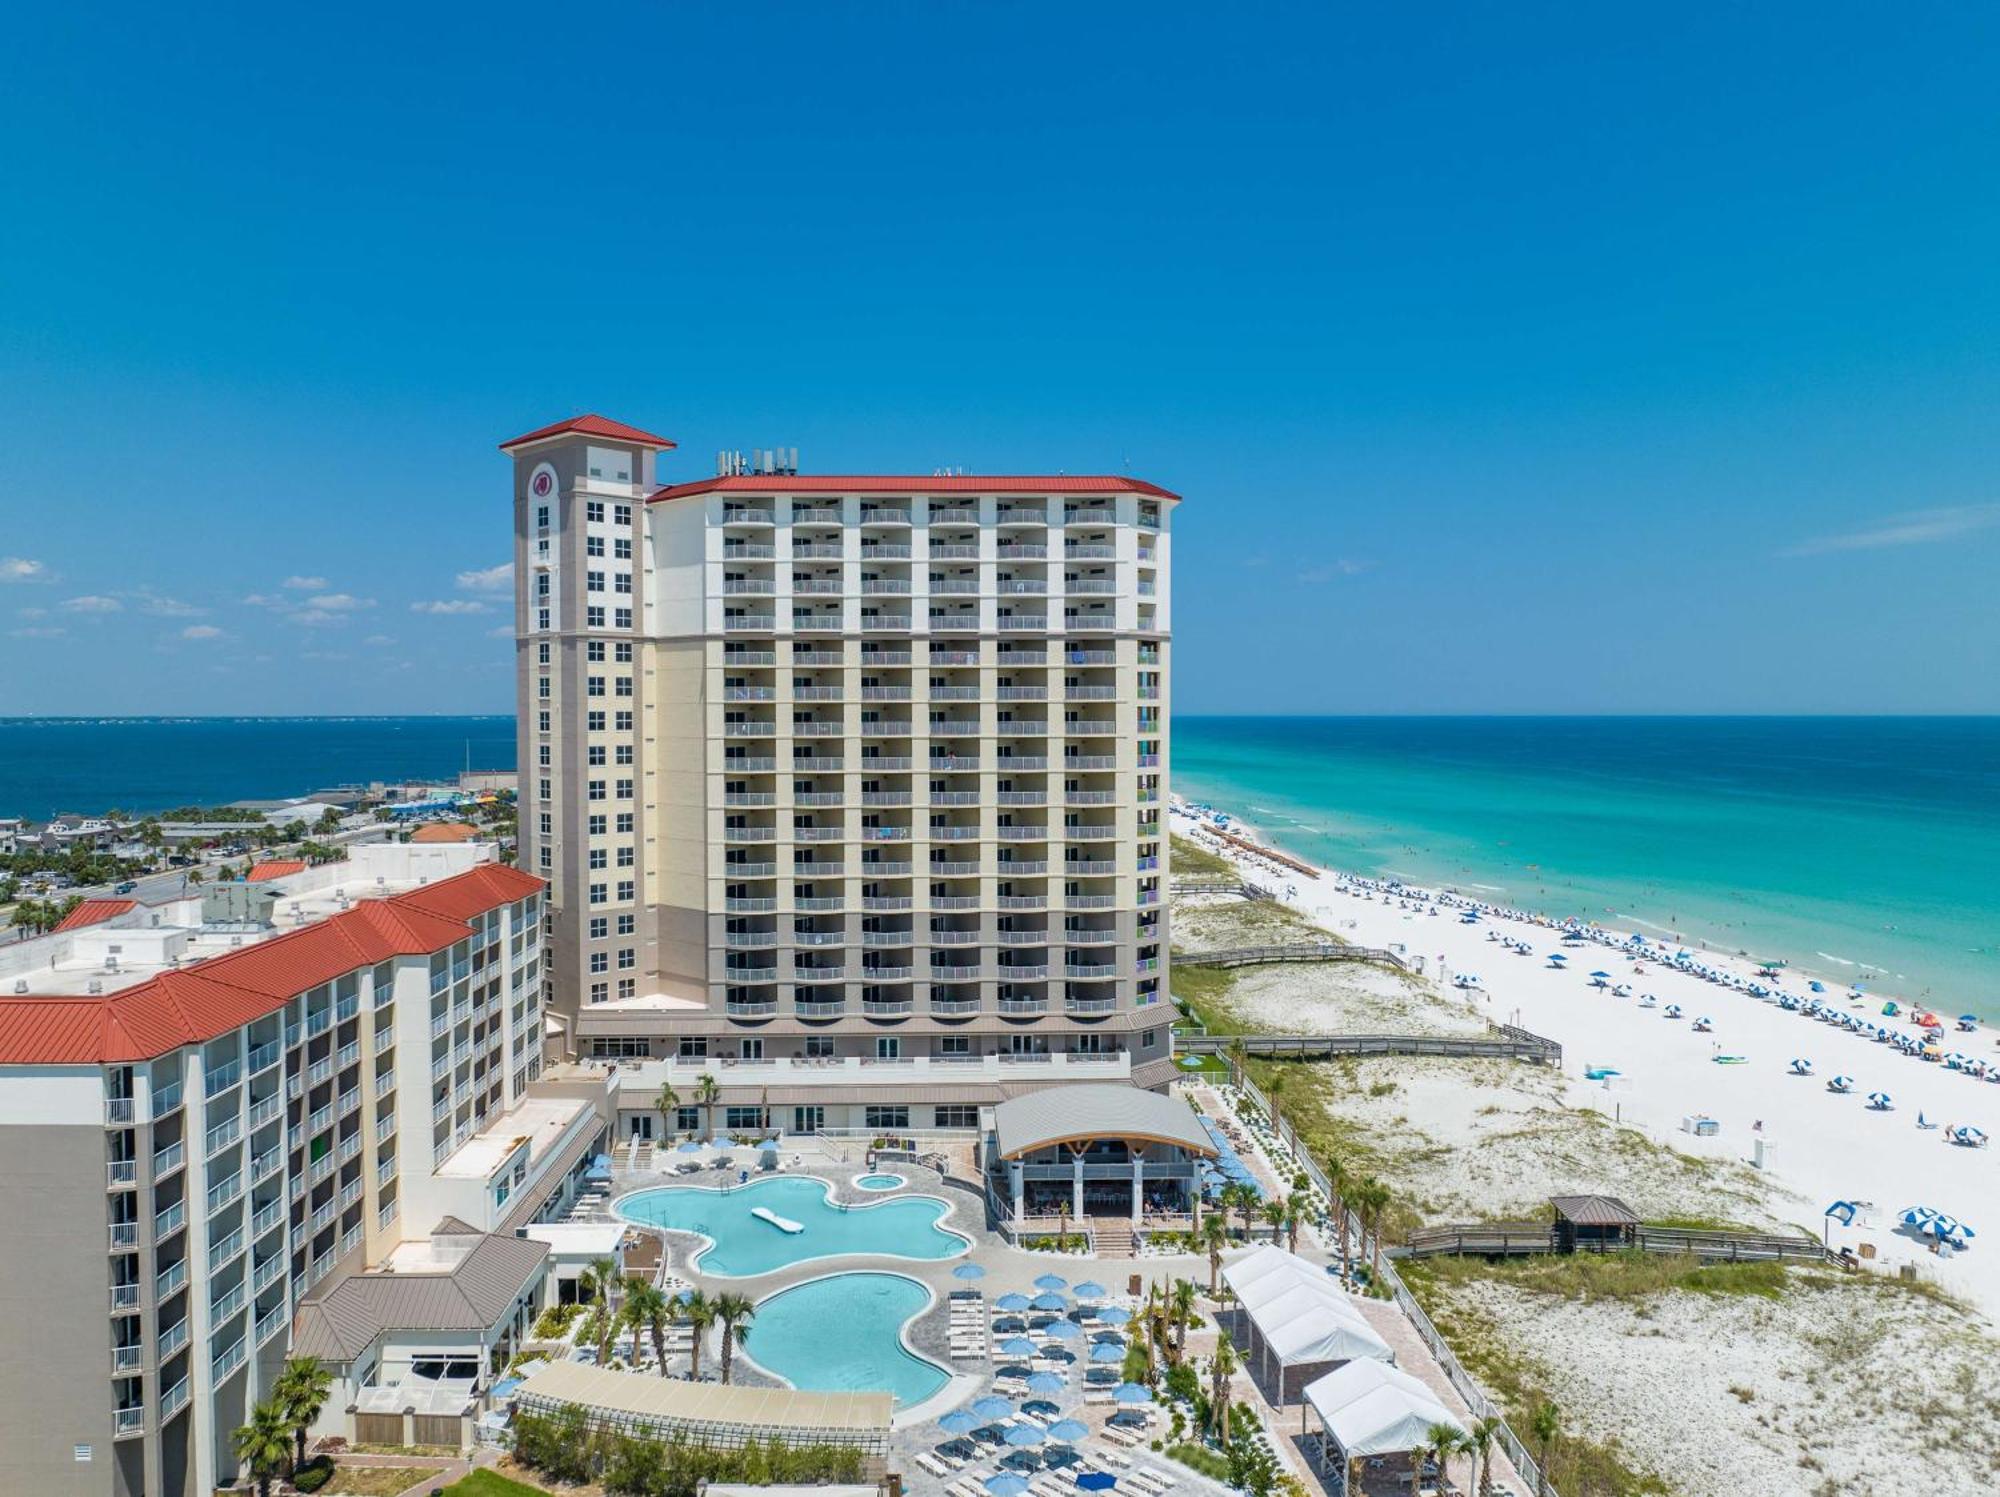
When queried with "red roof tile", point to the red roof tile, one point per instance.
{"points": [[194, 1004], [95, 912], [889, 483], [445, 831], [275, 868], [591, 426]]}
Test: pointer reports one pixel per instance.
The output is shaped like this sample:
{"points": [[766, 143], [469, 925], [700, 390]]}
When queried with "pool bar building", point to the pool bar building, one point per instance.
{"points": [[1095, 1152]]}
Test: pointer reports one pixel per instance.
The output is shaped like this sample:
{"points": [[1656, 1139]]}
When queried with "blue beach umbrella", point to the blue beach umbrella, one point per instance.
{"points": [[1069, 1431], [1012, 1302], [993, 1406], [959, 1422], [1051, 1282], [1006, 1484], [1065, 1330], [1025, 1434], [1096, 1481], [1090, 1289], [1132, 1393], [1017, 1346], [1114, 1315], [1047, 1302], [1107, 1351], [692, 1146], [968, 1271], [1047, 1382], [1916, 1216]]}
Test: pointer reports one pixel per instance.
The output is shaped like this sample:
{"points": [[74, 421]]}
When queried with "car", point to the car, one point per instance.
{"points": [[125, 888]]}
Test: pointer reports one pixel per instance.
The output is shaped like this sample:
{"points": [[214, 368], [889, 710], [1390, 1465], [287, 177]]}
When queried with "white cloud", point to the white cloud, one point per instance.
{"points": [[201, 631], [21, 569], [504, 631], [317, 618], [450, 605], [92, 603], [378, 639], [1332, 569], [163, 607], [339, 602], [32, 613], [263, 600], [306, 584], [43, 632], [489, 580], [1916, 528]]}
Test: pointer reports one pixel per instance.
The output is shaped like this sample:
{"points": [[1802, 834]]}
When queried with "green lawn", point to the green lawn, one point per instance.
{"points": [[492, 1484]]}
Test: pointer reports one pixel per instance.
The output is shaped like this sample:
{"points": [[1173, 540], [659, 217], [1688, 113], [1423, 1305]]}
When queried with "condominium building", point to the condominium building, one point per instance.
{"points": [[215, 1109], [848, 789]]}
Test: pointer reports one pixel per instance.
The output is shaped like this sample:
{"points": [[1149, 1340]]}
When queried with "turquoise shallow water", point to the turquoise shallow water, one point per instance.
{"points": [[844, 1335], [743, 1245], [1860, 848]]}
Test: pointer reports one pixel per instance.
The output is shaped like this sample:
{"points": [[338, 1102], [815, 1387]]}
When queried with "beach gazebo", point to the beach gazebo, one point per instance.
{"points": [[1594, 1224], [1370, 1410], [1085, 1151]]}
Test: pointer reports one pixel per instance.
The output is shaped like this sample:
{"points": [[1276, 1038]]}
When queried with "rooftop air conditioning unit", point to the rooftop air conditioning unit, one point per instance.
{"points": [[235, 940], [96, 986], [21, 985], [111, 964]]}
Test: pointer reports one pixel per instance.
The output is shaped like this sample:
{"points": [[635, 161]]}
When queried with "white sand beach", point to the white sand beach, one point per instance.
{"points": [[1819, 1146]]}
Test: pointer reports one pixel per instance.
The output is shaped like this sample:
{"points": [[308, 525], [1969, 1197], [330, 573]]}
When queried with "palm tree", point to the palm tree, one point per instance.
{"points": [[735, 1312], [1183, 1314], [301, 1391], [1544, 1424], [265, 1443], [1295, 1213], [698, 1310], [667, 1103], [1479, 1445], [1239, 1058], [1336, 1207], [1214, 1237], [1444, 1441], [1371, 1199], [705, 1093], [646, 1309], [1221, 1367], [1274, 1215], [1273, 1089], [602, 1276]]}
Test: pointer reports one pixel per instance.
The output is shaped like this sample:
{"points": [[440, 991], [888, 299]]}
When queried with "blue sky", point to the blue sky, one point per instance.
{"points": [[1510, 358]]}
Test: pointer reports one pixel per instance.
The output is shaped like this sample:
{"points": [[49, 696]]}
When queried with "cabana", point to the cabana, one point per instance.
{"points": [[1370, 1409], [1594, 1224], [1300, 1320], [1085, 1151]]}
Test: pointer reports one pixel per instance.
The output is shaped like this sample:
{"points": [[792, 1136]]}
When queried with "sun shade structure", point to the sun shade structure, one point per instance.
{"points": [[1299, 1319], [715, 1415], [1372, 1409], [1079, 1114]]}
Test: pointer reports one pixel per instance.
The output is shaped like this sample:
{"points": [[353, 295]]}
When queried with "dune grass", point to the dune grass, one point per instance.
{"points": [[1196, 861]]}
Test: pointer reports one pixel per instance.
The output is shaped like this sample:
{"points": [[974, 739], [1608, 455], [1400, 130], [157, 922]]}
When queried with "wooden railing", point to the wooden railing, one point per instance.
{"points": [[1501, 1042], [1515, 1239], [1480, 1240], [1308, 951]]}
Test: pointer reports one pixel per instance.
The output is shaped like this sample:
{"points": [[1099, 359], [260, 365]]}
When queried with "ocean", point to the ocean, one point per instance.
{"points": [[54, 764], [1858, 849]]}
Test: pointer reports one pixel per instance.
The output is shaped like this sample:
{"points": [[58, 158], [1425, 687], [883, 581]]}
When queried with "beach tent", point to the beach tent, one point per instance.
{"points": [[1373, 1409]]}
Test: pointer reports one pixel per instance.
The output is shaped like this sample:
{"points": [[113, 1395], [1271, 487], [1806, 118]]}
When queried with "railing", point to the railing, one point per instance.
{"points": [[170, 1279], [121, 1172], [133, 1421], [1503, 1043], [174, 1400], [173, 1338]]}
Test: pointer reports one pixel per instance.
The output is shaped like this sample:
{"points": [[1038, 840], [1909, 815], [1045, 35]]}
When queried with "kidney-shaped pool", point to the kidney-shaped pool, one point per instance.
{"points": [[844, 1334], [742, 1243]]}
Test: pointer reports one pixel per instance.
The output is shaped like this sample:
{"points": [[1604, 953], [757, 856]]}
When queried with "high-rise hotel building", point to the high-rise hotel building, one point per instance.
{"points": [[848, 789]]}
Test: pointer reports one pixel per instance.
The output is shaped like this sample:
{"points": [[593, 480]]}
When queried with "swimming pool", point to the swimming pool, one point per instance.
{"points": [[844, 1334], [880, 1182], [742, 1245]]}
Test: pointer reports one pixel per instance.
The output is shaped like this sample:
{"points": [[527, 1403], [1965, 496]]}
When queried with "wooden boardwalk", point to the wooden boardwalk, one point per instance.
{"points": [[1501, 1042], [1521, 1239], [1305, 951]]}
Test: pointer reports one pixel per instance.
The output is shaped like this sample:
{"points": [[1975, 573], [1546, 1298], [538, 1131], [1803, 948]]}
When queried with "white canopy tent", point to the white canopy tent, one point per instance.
{"points": [[1300, 1318], [1372, 1409]]}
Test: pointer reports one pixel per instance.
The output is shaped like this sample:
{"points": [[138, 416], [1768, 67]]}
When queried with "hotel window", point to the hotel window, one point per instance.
{"points": [[594, 651], [593, 545], [627, 924], [541, 584], [624, 618], [543, 649], [598, 859], [542, 721], [624, 686], [622, 652], [626, 890], [597, 894], [624, 789], [958, 1116], [742, 1119], [624, 753], [542, 688], [593, 686], [544, 785], [624, 857], [593, 509], [622, 548], [622, 514], [622, 720], [621, 582], [627, 959], [542, 618], [625, 821], [600, 961], [955, 1044], [544, 857], [594, 721], [599, 991], [594, 618], [548, 825], [887, 1117], [593, 582], [595, 755], [687, 1120], [618, 1047], [596, 825], [545, 751], [541, 517], [693, 1047], [628, 987], [599, 927], [819, 1047], [596, 790]]}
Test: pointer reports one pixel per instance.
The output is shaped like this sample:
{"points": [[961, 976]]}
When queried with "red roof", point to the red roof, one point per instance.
{"points": [[95, 912], [445, 831], [889, 483], [192, 1005], [275, 868], [591, 426]]}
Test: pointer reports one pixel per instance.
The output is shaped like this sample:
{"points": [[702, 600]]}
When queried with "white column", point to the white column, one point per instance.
{"points": [[1014, 1183], [1138, 1187], [1076, 1186]]}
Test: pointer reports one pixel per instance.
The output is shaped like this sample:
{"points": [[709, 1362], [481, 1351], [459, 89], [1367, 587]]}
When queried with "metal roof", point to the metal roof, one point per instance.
{"points": [[473, 1296], [1595, 1211], [1071, 1114], [590, 426], [904, 483], [675, 1401], [95, 912]]}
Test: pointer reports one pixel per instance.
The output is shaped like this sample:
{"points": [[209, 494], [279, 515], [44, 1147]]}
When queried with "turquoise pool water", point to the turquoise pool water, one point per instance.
{"points": [[880, 1182], [844, 1335], [741, 1245]]}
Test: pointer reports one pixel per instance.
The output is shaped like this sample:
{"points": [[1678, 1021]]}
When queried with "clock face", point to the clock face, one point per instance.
{"points": [[543, 483]]}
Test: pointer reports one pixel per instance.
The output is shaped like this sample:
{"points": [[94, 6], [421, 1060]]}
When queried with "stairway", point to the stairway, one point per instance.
{"points": [[1114, 1240]]}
